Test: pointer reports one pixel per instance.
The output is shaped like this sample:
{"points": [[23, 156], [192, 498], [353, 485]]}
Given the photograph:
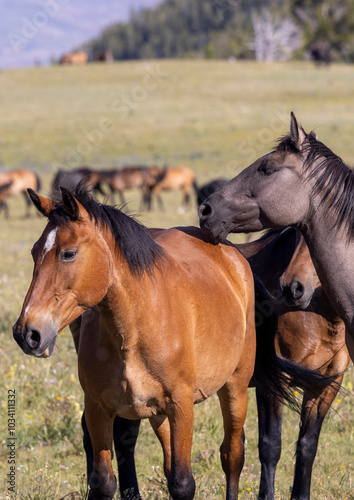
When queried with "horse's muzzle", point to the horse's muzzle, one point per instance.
{"points": [[33, 342]]}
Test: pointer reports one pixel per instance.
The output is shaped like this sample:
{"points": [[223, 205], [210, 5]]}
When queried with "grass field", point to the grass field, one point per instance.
{"points": [[215, 117]]}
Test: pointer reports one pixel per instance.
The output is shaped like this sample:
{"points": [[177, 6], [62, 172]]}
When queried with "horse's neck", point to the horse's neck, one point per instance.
{"points": [[120, 309], [333, 258]]}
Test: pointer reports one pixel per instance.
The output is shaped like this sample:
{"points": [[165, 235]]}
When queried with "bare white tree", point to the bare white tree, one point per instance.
{"points": [[274, 39]]}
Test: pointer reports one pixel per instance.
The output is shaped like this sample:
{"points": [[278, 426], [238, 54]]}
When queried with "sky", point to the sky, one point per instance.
{"points": [[37, 31]]}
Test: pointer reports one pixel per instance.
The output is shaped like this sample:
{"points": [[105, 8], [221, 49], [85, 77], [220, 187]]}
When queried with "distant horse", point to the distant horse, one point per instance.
{"points": [[15, 182], [320, 52], [141, 177], [85, 176], [302, 183], [76, 58], [310, 333], [203, 192], [103, 56], [175, 178], [165, 319]]}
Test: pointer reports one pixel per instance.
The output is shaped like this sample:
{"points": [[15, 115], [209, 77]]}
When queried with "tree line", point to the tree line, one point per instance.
{"points": [[241, 29]]}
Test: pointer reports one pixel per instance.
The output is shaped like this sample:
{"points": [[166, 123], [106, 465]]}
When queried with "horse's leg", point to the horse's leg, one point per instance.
{"points": [[5, 206], [88, 451], [186, 196], [100, 428], [125, 435], [181, 484], [313, 412], [161, 427], [233, 402], [270, 412]]}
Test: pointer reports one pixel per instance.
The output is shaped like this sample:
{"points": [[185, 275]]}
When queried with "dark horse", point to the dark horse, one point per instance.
{"points": [[206, 190], [309, 333], [302, 183], [83, 176], [167, 319]]}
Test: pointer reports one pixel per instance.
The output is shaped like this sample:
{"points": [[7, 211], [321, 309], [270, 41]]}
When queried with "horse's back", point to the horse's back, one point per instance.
{"points": [[177, 177], [21, 178]]}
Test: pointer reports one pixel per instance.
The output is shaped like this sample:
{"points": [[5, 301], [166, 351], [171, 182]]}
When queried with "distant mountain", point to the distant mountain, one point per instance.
{"points": [[36, 31]]}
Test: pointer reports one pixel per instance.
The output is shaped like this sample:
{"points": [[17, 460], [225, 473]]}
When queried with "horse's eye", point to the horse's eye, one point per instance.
{"points": [[68, 255], [265, 170]]}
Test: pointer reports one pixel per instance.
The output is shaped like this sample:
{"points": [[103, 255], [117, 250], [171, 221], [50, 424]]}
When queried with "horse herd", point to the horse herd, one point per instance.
{"points": [[163, 319], [149, 180]]}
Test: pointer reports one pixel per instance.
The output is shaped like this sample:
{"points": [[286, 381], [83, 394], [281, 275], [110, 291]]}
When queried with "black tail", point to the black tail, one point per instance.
{"points": [[272, 373]]}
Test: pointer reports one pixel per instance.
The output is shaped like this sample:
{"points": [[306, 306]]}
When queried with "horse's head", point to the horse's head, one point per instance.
{"points": [[299, 281], [70, 249], [269, 193]]}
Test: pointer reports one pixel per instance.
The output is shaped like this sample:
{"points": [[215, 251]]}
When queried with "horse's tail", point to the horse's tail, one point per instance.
{"points": [[273, 374]]}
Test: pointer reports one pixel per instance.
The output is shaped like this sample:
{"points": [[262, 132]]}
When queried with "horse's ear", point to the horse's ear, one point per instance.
{"points": [[73, 207], [297, 133], [313, 135], [44, 205]]}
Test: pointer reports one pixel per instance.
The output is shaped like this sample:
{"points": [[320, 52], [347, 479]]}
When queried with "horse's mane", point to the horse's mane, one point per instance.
{"points": [[334, 180], [132, 239]]}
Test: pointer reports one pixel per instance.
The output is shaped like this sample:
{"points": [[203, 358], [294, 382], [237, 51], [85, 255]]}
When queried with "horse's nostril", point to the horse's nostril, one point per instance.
{"points": [[297, 289], [205, 209], [33, 339]]}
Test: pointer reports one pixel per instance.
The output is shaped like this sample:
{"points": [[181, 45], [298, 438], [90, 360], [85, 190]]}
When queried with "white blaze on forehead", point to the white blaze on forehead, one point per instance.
{"points": [[50, 242]]}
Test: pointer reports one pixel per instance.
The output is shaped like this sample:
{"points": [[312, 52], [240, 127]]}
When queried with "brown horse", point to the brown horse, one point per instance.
{"points": [[143, 178], [310, 333], [161, 320], [302, 183], [144, 351], [78, 57], [175, 178], [15, 182]]}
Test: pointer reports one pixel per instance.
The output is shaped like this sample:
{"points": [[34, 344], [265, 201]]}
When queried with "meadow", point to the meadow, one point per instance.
{"points": [[214, 116]]}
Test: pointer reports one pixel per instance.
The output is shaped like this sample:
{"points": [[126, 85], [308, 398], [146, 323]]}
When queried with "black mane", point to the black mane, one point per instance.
{"points": [[334, 180], [141, 252]]}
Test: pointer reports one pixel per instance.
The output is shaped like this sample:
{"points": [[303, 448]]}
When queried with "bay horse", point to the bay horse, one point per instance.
{"points": [[141, 177], [164, 319], [310, 333], [302, 183], [175, 178], [14, 182]]}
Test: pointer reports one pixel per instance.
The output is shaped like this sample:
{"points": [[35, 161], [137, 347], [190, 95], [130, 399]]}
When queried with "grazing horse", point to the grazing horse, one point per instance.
{"points": [[15, 182], [310, 333], [302, 183], [78, 57], [167, 319], [175, 178], [85, 176], [143, 178]]}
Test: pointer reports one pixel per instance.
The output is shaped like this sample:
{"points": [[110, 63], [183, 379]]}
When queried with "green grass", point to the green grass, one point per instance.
{"points": [[213, 116]]}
